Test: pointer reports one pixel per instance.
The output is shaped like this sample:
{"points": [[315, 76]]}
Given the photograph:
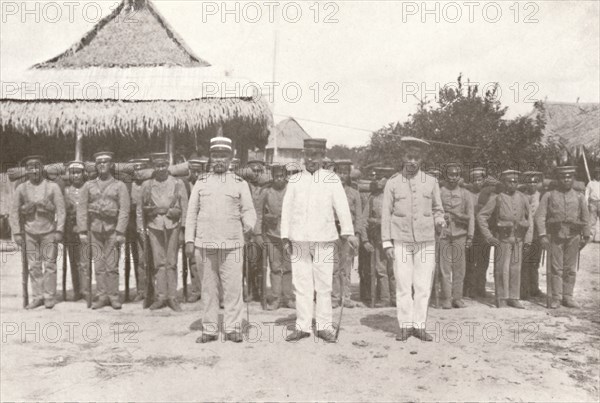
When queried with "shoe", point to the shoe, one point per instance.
{"points": [[348, 303], [193, 298], [446, 304], [77, 296], [174, 304], [297, 335], [458, 303], [49, 303], [35, 303], [139, 298], [553, 304], [273, 306], [84, 295], [207, 338], [404, 334], [101, 302], [335, 304], [291, 304], [570, 303], [501, 303], [327, 336], [158, 304], [515, 303], [115, 303], [422, 335], [235, 337]]}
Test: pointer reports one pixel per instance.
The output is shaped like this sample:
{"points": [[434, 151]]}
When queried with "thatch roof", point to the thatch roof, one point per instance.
{"points": [[290, 135], [129, 78], [126, 38], [572, 124]]}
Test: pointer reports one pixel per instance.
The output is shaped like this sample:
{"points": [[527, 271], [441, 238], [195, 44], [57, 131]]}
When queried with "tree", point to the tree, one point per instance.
{"points": [[463, 116]]}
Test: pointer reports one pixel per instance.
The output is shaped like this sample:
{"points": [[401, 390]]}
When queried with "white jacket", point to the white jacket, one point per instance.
{"points": [[308, 208]]}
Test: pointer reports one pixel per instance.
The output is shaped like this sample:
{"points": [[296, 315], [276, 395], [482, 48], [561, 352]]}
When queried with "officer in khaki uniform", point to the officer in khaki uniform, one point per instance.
{"points": [[510, 212], [220, 217], [563, 222], [163, 206], [344, 253], [78, 251], [268, 222], [371, 234], [456, 238], [136, 242], [532, 252], [104, 211], [37, 220], [197, 166]]}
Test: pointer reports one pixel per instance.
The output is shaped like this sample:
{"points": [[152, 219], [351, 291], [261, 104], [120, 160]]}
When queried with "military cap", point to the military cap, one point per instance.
{"points": [[103, 156], [198, 161], [257, 162], [409, 141], [221, 143], [159, 157], [384, 172], [567, 170], [278, 169], [531, 177], [453, 167], [328, 163], [139, 163], [319, 144], [75, 165], [436, 173], [477, 171], [510, 173], [29, 158], [343, 165]]}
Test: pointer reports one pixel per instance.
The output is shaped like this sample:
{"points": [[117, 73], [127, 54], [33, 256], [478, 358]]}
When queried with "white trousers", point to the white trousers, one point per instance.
{"points": [[312, 271], [414, 264]]}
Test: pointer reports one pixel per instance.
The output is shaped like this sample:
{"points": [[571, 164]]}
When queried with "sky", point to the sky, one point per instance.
{"points": [[351, 67]]}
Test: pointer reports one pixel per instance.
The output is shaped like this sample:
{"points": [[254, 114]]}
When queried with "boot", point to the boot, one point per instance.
{"points": [[422, 335], [290, 303], [515, 303], [235, 337], [101, 302], [35, 303], [139, 298], [554, 304], [327, 336], [207, 338], [158, 304], [446, 304], [501, 303], [458, 303], [404, 334], [297, 335], [569, 302], [174, 304], [193, 298], [115, 302], [348, 303], [49, 303]]}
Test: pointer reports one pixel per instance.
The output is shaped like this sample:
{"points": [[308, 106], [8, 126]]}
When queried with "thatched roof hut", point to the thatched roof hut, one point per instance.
{"points": [[128, 87], [290, 142]]}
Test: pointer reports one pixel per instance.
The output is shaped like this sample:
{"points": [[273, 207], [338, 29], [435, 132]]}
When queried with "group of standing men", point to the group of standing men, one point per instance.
{"points": [[310, 225]]}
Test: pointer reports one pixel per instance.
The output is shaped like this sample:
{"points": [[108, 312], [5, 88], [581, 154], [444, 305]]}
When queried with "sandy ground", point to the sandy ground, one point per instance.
{"points": [[481, 353]]}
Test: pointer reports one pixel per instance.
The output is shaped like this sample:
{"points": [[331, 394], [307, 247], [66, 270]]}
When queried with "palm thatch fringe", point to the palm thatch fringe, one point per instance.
{"points": [[129, 118]]}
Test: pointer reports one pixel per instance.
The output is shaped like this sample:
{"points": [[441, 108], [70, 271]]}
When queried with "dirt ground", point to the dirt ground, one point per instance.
{"points": [[480, 353]]}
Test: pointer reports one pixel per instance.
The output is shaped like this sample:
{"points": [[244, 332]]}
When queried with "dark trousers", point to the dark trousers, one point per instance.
{"points": [[478, 260], [563, 263], [507, 269], [452, 266], [532, 256], [281, 271], [253, 258], [78, 260], [41, 258], [164, 245]]}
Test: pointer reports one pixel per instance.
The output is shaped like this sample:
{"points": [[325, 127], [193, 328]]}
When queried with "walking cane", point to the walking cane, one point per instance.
{"points": [[246, 268], [64, 272], [184, 273], [127, 268]]}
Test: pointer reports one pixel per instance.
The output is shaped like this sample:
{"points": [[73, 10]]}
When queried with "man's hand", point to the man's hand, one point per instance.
{"points": [[181, 237], [369, 247], [469, 243], [584, 241], [18, 239], [58, 236], [189, 249], [352, 240], [545, 242], [493, 241], [83, 237], [120, 239], [287, 246], [389, 253], [259, 240]]}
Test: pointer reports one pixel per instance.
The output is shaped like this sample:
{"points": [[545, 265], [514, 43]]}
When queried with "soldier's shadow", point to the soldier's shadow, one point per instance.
{"points": [[380, 321]]}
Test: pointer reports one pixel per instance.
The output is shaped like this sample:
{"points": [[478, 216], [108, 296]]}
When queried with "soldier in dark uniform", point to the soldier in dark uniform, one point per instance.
{"points": [[37, 220], [456, 238], [532, 252], [436, 286], [78, 251], [344, 256], [197, 167], [268, 221], [104, 211], [384, 267], [163, 208], [509, 210], [252, 249], [133, 238], [563, 223]]}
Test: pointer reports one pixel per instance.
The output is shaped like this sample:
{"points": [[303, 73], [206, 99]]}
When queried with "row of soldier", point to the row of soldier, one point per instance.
{"points": [[468, 221]]}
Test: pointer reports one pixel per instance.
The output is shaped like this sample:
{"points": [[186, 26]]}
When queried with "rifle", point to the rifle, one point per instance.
{"points": [[127, 267], [25, 270], [373, 277], [339, 322], [184, 273], [90, 272], [263, 294], [149, 266], [246, 283], [64, 272]]}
